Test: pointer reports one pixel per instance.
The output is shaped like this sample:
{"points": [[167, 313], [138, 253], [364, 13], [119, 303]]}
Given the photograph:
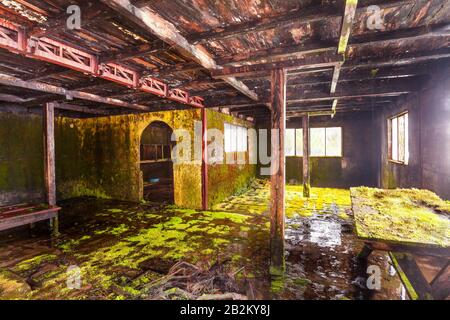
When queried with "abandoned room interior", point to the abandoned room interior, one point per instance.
{"points": [[225, 150]]}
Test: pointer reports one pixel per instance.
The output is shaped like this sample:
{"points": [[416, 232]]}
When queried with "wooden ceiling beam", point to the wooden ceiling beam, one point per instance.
{"points": [[43, 87], [278, 53], [303, 16], [308, 62], [166, 31], [82, 109], [134, 52]]}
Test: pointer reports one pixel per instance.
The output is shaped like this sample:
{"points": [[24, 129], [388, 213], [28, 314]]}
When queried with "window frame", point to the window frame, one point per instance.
{"points": [[390, 138], [325, 142], [238, 130]]}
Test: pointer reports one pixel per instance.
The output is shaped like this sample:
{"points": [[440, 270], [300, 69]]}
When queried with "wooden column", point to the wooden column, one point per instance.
{"points": [[278, 113], [48, 116], [204, 160], [306, 162]]}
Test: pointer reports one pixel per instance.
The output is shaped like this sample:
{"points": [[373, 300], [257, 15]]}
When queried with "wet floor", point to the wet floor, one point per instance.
{"points": [[118, 250]]}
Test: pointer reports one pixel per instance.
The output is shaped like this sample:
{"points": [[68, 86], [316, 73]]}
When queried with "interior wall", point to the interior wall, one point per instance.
{"points": [[100, 157], [21, 158], [429, 136], [396, 175], [357, 165]]}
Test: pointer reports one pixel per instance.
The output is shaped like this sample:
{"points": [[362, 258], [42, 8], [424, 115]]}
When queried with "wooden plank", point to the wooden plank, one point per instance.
{"points": [[166, 31], [411, 276], [49, 152], [306, 159], [347, 24], [413, 248], [21, 220], [277, 190], [335, 79]]}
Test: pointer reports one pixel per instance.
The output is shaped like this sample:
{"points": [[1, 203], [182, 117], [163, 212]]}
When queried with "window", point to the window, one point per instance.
{"points": [[235, 138], [398, 130], [293, 143], [325, 142]]}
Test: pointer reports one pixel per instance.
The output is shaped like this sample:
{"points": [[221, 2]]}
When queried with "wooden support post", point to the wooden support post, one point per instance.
{"points": [[366, 251], [48, 116], [204, 160], [278, 113], [306, 152]]}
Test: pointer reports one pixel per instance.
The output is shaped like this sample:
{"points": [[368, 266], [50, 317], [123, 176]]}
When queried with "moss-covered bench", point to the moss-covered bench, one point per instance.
{"points": [[27, 214], [407, 223]]}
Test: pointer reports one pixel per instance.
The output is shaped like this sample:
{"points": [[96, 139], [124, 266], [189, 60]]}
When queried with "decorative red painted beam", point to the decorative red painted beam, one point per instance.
{"points": [[52, 51], [114, 72], [154, 86], [196, 101], [14, 39], [179, 95]]}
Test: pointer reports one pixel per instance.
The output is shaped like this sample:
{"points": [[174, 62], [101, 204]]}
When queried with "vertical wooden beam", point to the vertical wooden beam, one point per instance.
{"points": [[306, 162], [278, 113], [204, 160], [48, 116]]}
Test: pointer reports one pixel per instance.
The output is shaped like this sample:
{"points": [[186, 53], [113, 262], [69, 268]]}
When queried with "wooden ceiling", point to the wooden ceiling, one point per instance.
{"points": [[223, 51]]}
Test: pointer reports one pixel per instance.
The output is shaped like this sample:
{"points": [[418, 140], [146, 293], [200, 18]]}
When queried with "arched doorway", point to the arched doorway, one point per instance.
{"points": [[156, 163]]}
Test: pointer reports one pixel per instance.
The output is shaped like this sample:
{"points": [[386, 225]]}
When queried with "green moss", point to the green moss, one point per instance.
{"points": [[321, 200], [402, 215], [34, 262], [71, 244], [218, 242], [115, 210]]}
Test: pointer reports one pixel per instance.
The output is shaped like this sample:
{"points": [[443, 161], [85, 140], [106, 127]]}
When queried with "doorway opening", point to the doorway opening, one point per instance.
{"points": [[156, 163]]}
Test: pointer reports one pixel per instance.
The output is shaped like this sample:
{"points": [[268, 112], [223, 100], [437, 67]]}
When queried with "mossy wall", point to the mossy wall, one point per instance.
{"points": [[21, 158], [100, 157], [357, 165], [107, 152], [227, 179]]}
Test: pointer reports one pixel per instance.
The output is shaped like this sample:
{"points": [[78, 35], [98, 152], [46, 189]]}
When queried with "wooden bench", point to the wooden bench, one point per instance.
{"points": [[23, 214]]}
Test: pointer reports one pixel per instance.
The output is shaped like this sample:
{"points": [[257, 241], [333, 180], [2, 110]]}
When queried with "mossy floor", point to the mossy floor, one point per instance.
{"points": [[121, 247]]}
